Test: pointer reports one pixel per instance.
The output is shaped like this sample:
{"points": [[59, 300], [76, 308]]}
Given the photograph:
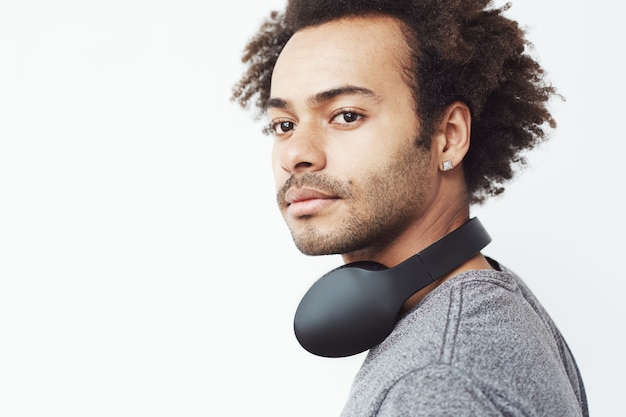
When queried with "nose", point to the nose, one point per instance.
{"points": [[302, 152]]}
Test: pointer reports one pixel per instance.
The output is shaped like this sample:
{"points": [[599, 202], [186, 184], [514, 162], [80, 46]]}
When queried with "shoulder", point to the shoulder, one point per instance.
{"points": [[476, 341], [439, 390]]}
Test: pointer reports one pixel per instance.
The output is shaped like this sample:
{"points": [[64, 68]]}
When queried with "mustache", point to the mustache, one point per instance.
{"points": [[320, 182]]}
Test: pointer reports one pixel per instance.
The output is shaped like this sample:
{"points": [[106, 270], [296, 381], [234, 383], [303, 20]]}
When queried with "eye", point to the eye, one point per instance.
{"points": [[280, 127], [346, 117]]}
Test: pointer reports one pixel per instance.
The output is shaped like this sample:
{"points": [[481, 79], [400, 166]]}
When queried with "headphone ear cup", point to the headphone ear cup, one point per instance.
{"points": [[347, 311]]}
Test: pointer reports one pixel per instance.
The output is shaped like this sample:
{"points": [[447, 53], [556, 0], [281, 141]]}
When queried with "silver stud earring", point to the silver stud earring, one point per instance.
{"points": [[447, 165]]}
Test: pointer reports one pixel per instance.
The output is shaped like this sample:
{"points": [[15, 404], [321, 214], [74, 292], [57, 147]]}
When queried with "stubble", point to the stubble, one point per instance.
{"points": [[380, 206]]}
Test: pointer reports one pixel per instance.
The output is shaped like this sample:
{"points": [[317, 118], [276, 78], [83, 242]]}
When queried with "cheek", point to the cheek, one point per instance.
{"points": [[280, 176]]}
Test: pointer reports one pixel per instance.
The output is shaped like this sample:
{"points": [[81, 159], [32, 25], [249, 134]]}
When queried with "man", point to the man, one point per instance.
{"points": [[390, 118]]}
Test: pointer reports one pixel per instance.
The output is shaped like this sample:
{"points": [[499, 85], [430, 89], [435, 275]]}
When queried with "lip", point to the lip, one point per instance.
{"points": [[307, 201]]}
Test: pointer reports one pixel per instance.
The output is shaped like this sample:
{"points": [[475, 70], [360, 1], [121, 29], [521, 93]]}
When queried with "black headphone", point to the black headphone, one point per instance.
{"points": [[354, 307]]}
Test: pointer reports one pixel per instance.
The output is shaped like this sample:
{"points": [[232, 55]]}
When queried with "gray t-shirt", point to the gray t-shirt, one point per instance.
{"points": [[480, 344]]}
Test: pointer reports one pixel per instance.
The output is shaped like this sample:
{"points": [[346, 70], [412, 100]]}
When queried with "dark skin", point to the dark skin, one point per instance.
{"points": [[459, 51], [351, 135]]}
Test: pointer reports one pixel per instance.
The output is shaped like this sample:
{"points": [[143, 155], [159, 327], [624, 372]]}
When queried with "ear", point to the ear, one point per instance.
{"points": [[453, 139]]}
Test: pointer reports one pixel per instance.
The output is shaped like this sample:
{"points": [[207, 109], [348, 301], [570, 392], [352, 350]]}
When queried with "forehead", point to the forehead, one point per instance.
{"points": [[368, 51]]}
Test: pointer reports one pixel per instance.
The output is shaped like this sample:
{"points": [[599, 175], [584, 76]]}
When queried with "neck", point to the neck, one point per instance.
{"points": [[427, 228], [436, 223]]}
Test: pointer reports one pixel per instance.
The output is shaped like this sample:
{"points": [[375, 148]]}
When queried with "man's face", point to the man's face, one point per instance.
{"points": [[349, 177]]}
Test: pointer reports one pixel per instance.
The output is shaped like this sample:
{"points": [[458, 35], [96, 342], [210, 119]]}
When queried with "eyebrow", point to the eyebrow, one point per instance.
{"points": [[325, 96]]}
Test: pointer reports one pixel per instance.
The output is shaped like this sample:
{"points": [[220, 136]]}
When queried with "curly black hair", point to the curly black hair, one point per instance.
{"points": [[462, 50]]}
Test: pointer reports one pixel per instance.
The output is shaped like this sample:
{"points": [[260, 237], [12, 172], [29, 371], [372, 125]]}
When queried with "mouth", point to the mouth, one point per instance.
{"points": [[307, 202]]}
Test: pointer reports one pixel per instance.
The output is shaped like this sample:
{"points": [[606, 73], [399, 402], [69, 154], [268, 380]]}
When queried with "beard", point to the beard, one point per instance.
{"points": [[379, 207]]}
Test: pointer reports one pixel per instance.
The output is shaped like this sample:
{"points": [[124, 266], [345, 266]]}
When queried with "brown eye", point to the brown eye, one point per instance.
{"points": [[280, 128], [350, 117], [346, 117]]}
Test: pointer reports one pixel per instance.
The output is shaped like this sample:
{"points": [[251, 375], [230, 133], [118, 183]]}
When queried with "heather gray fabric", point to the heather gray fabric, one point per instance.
{"points": [[478, 345]]}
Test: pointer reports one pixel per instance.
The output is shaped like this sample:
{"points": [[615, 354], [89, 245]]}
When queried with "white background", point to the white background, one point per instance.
{"points": [[144, 268]]}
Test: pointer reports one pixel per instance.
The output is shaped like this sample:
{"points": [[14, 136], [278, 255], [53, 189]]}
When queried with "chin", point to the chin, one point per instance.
{"points": [[312, 245], [319, 245], [314, 250]]}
